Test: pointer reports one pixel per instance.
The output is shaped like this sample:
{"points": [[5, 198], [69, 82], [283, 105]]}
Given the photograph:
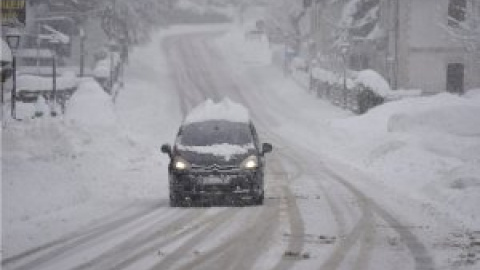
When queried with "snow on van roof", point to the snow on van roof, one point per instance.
{"points": [[222, 110]]}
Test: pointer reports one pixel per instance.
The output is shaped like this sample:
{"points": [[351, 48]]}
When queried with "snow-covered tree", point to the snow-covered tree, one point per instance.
{"points": [[464, 23], [285, 16], [360, 21], [133, 20]]}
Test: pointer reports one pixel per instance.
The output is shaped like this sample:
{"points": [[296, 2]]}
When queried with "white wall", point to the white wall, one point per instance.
{"points": [[429, 48]]}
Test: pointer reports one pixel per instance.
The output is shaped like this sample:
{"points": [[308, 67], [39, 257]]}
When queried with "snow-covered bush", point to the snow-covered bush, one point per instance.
{"points": [[358, 92]]}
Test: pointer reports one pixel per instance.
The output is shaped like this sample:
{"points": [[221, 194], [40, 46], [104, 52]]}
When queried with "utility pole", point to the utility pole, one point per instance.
{"points": [[396, 45], [14, 86], [54, 83], [82, 52]]}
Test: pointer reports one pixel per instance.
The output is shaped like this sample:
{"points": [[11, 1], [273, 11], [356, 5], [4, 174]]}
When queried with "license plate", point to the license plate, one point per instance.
{"points": [[213, 180]]}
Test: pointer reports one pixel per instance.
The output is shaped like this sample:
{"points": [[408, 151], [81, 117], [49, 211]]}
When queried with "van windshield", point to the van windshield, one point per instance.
{"points": [[215, 132]]}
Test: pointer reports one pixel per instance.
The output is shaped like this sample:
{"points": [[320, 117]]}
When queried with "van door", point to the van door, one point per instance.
{"points": [[455, 77]]}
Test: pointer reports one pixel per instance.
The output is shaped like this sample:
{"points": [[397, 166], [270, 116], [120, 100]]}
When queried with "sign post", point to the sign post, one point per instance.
{"points": [[13, 14]]}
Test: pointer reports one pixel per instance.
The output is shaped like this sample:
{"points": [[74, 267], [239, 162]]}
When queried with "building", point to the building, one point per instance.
{"points": [[428, 44]]}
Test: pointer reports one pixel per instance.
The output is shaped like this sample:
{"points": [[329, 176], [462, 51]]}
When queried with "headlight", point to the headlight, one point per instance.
{"points": [[250, 163], [180, 164]]}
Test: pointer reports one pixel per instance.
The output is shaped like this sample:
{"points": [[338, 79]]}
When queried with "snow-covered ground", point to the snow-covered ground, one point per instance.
{"points": [[103, 159], [429, 145]]}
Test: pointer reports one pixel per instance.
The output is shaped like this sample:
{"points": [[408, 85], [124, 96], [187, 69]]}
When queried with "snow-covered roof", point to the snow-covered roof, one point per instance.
{"points": [[56, 35], [40, 83], [6, 53], [223, 110]]}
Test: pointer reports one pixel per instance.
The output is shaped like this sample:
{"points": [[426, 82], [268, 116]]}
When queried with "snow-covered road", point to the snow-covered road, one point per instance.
{"points": [[202, 73], [320, 211]]}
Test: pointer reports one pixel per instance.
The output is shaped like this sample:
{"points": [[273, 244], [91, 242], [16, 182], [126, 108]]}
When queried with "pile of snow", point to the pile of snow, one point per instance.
{"points": [[473, 94], [66, 80], [90, 106], [223, 110], [222, 150], [424, 145], [62, 173], [456, 119], [105, 66]]}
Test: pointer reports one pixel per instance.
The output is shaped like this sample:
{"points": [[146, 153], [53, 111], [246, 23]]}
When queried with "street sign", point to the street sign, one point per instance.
{"points": [[13, 13]]}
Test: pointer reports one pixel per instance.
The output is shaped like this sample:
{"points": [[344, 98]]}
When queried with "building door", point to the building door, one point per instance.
{"points": [[455, 77]]}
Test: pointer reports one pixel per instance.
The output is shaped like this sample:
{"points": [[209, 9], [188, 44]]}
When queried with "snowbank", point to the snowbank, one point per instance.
{"points": [[105, 66], [91, 106], [62, 173], [424, 145], [473, 94]]}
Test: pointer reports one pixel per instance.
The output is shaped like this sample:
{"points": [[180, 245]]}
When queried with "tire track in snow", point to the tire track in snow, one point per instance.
{"points": [[293, 213], [365, 226], [77, 238], [134, 245], [418, 251], [76, 253], [363, 230], [241, 249], [205, 67], [189, 246], [194, 231]]}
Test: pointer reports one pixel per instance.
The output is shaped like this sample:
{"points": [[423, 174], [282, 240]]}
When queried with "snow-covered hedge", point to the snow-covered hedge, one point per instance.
{"points": [[358, 93], [364, 89]]}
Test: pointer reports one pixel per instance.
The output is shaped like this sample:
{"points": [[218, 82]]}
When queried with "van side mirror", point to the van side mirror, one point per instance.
{"points": [[167, 149], [266, 148]]}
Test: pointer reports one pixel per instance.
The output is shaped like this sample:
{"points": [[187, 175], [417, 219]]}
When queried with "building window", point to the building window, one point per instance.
{"points": [[456, 12]]}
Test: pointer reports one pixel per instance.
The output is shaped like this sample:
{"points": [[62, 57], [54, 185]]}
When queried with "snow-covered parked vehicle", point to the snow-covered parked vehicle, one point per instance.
{"points": [[217, 157]]}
